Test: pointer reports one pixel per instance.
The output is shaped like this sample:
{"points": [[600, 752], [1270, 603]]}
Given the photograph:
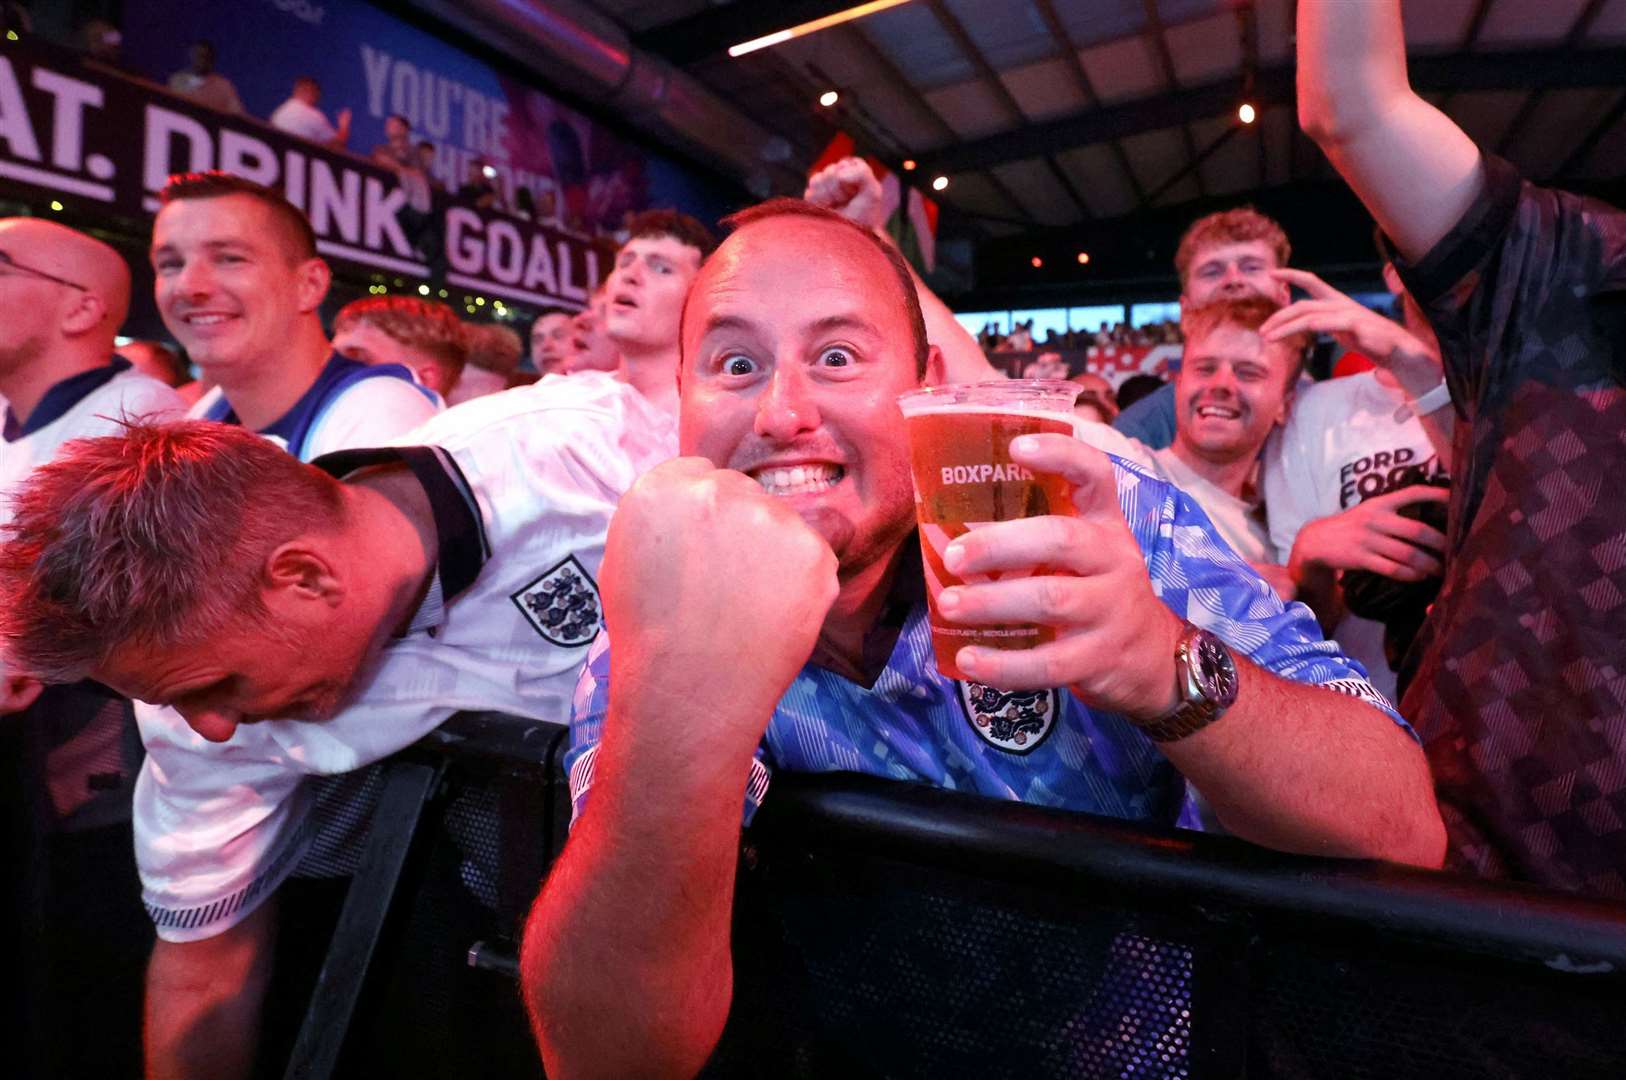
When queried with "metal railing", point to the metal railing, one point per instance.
{"points": [[895, 929]]}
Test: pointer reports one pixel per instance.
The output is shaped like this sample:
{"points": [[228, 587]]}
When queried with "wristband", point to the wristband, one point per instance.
{"points": [[1437, 398]]}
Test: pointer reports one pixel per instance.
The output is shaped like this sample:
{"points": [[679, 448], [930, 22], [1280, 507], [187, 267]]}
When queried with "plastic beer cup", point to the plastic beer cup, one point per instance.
{"points": [[959, 450]]}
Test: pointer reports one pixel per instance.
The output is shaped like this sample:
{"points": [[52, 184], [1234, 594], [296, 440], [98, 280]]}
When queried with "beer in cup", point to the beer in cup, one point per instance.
{"points": [[959, 449]]}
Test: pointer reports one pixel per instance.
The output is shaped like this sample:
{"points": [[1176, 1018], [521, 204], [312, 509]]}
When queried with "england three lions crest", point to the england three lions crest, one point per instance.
{"points": [[562, 604], [1015, 721]]}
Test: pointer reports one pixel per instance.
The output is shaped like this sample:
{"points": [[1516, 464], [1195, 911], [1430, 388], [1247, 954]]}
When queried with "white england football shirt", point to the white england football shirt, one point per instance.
{"points": [[82, 406], [523, 485], [79, 766]]}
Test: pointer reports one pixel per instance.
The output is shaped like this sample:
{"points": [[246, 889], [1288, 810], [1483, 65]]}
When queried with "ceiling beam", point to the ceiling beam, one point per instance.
{"points": [[713, 30], [860, 43], [1247, 27], [1086, 88], [1165, 60], [1583, 22], [1577, 33], [1193, 166], [1002, 94], [1476, 24], [1559, 67], [1584, 148]]}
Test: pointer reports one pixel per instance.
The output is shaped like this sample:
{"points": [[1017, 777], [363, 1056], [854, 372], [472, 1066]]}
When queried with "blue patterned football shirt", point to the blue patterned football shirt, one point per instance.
{"points": [[1043, 747]]}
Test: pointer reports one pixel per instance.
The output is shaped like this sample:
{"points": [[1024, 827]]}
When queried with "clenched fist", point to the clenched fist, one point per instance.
{"points": [[713, 588], [848, 187]]}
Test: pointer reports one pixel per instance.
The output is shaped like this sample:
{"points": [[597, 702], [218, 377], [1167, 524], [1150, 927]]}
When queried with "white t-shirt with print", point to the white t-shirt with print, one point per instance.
{"points": [[1342, 444]]}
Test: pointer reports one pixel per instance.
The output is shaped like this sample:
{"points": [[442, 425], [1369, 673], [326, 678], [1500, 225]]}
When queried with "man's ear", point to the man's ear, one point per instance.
{"points": [[1285, 409], [936, 370], [314, 278], [300, 572], [433, 377], [86, 314]]}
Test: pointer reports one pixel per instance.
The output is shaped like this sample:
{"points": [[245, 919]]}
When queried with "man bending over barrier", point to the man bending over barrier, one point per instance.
{"points": [[305, 620]]}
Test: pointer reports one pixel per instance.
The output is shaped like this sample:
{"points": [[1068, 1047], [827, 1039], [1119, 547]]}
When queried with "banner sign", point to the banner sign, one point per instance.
{"points": [[582, 176], [72, 130], [1115, 363]]}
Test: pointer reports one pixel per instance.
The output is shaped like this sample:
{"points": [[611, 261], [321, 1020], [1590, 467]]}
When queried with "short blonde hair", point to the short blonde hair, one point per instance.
{"points": [[1238, 226], [494, 347], [425, 325]]}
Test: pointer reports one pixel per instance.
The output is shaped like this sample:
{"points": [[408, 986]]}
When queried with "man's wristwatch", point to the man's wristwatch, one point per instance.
{"points": [[1205, 676]]}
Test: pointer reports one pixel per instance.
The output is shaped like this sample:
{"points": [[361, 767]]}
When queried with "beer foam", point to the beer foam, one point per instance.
{"points": [[1046, 412]]}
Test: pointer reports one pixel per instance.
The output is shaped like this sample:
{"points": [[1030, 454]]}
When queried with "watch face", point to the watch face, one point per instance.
{"points": [[1214, 670]]}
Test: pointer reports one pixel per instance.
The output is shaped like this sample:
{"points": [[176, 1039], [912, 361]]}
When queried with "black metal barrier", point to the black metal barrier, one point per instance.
{"points": [[887, 929]]}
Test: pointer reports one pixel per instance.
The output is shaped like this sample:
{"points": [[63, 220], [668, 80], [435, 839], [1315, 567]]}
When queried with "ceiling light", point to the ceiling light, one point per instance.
{"points": [[1246, 113], [908, 164], [423, 290], [939, 183], [1083, 258], [813, 27], [56, 206], [1037, 262], [829, 98]]}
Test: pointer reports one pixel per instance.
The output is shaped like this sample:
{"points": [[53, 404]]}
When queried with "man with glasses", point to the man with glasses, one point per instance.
{"points": [[64, 296]]}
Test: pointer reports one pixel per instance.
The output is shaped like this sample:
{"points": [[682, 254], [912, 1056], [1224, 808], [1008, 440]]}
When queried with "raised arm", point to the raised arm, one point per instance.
{"points": [[626, 964], [1415, 170], [850, 188]]}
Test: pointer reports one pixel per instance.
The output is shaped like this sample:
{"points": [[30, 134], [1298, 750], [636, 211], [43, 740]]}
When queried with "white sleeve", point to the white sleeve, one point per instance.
{"points": [[373, 412], [1109, 439], [1290, 466], [149, 399], [218, 826], [126, 397]]}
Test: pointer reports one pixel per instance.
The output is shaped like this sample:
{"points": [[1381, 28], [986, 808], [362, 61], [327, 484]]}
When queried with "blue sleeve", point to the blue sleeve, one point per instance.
{"points": [[587, 712], [1151, 419], [1202, 580]]}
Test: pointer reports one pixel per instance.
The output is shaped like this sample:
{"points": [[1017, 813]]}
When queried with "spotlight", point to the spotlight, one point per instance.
{"points": [[1083, 258], [1037, 262], [423, 290], [939, 183], [442, 294], [56, 206], [480, 301], [1246, 113], [812, 27], [829, 98], [908, 164]]}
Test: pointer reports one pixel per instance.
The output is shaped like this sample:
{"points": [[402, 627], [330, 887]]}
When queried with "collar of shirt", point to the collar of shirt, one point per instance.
{"points": [[460, 533], [906, 593], [61, 397], [301, 412]]}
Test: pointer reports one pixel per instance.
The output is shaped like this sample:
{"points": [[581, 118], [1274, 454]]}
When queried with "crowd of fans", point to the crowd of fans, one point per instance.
{"points": [[1118, 335], [1375, 616]]}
